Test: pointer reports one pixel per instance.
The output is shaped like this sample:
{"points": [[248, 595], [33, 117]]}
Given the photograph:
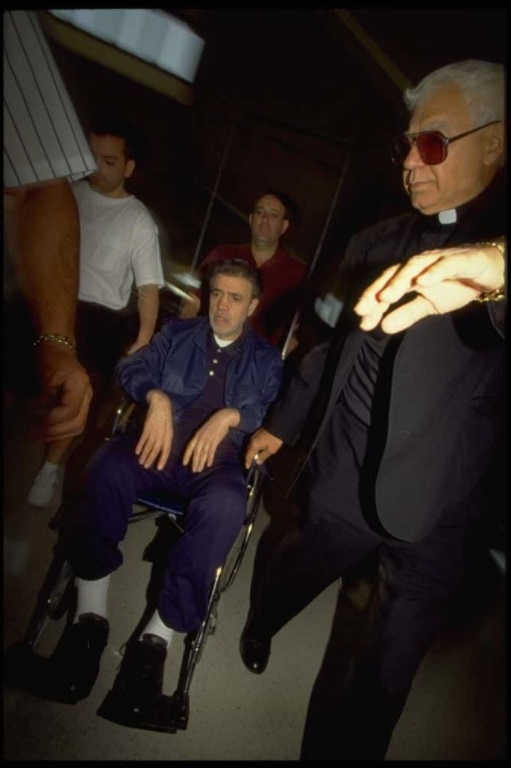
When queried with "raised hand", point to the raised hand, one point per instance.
{"points": [[444, 280]]}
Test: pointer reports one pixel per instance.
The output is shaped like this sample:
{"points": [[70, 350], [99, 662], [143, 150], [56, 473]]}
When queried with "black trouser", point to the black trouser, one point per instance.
{"points": [[374, 674], [102, 335]]}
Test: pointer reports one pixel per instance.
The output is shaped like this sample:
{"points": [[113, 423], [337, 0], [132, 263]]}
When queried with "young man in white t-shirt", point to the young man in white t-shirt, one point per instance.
{"points": [[119, 249]]}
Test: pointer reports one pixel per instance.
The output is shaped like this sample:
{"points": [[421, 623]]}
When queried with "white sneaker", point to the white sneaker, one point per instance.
{"points": [[44, 486]]}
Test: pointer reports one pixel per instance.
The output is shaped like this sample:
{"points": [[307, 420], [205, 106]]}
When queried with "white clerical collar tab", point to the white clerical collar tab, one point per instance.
{"points": [[448, 217]]}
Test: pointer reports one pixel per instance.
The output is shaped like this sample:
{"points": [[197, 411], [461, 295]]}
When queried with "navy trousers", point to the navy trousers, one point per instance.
{"points": [[216, 501]]}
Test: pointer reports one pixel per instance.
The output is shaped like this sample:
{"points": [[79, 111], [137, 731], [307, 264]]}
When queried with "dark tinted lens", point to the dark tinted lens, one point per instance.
{"points": [[430, 145], [431, 148]]}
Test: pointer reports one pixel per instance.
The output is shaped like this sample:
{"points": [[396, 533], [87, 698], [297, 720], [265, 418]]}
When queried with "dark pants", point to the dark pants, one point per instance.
{"points": [[102, 335], [375, 670], [216, 506]]}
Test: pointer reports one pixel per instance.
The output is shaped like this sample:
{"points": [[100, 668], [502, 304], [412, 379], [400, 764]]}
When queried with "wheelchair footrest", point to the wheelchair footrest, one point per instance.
{"points": [[180, 708], [161, 714]]}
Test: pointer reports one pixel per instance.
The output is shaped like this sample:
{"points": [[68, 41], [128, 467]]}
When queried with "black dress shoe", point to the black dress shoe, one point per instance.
{"points": [[255, 651], [136, 699], [142, 668], [73, 667], [70, 672]]}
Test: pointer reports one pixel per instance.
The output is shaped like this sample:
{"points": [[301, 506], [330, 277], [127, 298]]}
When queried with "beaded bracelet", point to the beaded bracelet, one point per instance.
{"points": [[499, 294], [56, 338]]}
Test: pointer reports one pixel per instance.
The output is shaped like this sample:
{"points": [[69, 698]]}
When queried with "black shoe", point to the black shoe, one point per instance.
{"points": [[136, 699], [70, 672], [255, 650], [141, 674], [74, 664]]}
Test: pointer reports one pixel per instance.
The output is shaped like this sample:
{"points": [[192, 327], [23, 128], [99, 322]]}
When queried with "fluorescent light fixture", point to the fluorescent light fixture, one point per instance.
{"points": [[153, 35]]}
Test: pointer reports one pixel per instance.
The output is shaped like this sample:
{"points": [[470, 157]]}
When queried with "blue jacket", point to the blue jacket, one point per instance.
{"points": [[176, 362]]}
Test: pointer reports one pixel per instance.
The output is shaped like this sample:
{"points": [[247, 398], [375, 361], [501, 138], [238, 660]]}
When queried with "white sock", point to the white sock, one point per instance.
{"points": [[155, 626], [49, 467], [92, 597]]}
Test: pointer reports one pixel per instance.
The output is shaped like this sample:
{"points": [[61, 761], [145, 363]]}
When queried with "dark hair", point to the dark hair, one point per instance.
{"points": [[292, 210], [135, 144], [237, 268]]}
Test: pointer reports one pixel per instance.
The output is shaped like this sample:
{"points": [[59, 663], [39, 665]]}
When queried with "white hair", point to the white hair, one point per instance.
{"points": [[482, 84]]}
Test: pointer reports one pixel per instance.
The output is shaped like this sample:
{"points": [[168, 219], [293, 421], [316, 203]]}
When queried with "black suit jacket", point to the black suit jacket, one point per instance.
{"points": [[438, 408]]}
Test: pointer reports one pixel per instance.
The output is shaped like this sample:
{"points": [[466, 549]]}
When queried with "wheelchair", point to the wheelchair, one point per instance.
{"points": [[56, 596]]}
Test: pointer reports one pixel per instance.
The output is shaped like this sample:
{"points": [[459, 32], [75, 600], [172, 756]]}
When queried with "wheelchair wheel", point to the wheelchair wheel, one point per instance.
{"points": [[194, 642], [237, 553], [61, 598], [52, 601]]}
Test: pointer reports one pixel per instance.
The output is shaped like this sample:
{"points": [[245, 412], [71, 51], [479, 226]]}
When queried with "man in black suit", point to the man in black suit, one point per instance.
{"points": [[397, 421]]}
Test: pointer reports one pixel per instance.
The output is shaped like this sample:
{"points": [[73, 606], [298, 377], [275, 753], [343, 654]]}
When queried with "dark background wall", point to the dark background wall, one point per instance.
{"points": [[300, 102]]}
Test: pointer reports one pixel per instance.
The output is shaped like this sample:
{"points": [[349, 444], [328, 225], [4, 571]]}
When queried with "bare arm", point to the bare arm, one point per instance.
{"points": [[148, 304], [44, 236]]}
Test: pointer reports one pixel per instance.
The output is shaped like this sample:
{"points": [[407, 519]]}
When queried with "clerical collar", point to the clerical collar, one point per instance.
{"points": [[448, 217]]}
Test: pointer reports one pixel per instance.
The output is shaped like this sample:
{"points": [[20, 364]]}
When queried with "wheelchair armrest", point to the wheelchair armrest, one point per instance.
{"points": [[123, 412], [258, 469]]}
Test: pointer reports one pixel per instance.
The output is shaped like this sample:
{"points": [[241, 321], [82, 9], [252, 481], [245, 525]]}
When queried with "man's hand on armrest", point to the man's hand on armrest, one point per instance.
{"points": [[262, 445]]}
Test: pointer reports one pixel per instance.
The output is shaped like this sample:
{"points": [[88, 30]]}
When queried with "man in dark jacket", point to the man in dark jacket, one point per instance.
{"points": [[399, 431], [207, 383]]}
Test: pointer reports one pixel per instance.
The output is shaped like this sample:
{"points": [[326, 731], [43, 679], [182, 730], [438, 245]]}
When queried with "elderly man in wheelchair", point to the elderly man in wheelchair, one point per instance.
{"points": [[207, 383]]}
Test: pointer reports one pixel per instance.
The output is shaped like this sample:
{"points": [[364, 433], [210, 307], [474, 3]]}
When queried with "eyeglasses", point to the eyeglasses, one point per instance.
{"points": [[431, 145]]}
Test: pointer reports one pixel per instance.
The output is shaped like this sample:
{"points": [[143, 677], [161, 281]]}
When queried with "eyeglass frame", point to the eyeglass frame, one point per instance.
{"points": [[444, 139]]}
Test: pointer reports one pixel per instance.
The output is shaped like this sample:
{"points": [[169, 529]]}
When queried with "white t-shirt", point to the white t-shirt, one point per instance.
{"points": [[118, 246]]}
